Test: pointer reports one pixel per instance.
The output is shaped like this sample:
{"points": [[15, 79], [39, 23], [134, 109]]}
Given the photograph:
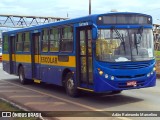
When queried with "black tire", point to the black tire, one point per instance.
{"points": [[22, 75], [116, 92], [70, 86]]}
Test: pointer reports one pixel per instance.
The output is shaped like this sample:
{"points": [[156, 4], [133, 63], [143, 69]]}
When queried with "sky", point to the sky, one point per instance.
{"points": [[78, 8]]}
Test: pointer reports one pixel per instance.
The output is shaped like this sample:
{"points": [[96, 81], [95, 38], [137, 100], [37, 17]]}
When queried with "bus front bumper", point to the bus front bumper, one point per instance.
{"points": [[103, 85]]}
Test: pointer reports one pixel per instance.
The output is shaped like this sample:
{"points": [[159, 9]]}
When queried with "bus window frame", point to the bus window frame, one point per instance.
{"points": [[59, 33], [24, 41], [7, 42], [41, 40], [61, 28], [19, 42]]}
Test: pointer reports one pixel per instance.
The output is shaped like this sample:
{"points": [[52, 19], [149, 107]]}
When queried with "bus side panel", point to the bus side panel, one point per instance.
{"points": [[28, 71], [37, 71], [51, 74], [55, 75], [44, 73], [25, 61], [14, 66], [6, 64]]}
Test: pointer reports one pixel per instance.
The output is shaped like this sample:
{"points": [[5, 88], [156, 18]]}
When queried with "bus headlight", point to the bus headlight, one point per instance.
{"points": [[101, 72], [154, 69], [148, 75], [112, 77], [106, 76]]}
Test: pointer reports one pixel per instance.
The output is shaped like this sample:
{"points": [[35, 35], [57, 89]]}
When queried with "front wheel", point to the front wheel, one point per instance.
{"points": [[22, 75], [116, 92], [70, 86]]}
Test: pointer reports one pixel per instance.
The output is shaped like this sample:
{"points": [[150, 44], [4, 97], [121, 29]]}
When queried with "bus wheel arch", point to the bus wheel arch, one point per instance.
{"points": [[20, 65], [65, 72], [69, 83]]}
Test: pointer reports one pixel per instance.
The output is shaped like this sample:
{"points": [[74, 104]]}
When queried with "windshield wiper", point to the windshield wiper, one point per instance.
{"points": [[121, 38]]}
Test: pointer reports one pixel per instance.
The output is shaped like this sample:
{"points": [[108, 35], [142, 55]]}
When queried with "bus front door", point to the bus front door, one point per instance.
{"points": [[84, 55], [36, 56], [12, 58]]}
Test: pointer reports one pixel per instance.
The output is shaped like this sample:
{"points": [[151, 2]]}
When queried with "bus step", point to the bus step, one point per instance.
{"points": [[85, 89], [37, 81]]}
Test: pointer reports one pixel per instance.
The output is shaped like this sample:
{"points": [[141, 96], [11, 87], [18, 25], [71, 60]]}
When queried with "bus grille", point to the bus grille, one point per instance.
{"points": [[129, 66], [136, 76]]}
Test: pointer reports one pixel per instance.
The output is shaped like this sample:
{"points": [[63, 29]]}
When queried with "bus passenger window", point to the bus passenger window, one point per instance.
{"points": [[19, 43], [67, 39], [26, 42], [54, 40], [5, 44], [45, 37]]}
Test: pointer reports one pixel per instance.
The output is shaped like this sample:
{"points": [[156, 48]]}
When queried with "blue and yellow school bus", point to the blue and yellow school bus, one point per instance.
{"points": [[96, 53]]}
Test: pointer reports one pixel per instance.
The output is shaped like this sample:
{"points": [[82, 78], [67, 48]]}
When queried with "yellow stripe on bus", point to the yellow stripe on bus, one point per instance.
{"points": [[53, 60], [37, 58], [5, 57], [42, 59], [13, 57], [23, 58], [18, 58]]}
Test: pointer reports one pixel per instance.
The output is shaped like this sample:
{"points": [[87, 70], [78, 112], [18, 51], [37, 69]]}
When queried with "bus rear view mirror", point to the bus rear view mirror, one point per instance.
{"points": [[94, 32]]}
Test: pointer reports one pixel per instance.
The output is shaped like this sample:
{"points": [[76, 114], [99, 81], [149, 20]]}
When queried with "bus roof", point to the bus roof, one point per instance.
{"points": [[92, 18]]}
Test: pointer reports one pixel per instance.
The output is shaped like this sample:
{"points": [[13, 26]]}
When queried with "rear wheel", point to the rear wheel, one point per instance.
{"points": [[70, 85], [22, 75]]}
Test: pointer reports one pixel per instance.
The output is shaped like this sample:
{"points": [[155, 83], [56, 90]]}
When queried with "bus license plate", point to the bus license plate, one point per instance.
{"points": [[131, 83]]}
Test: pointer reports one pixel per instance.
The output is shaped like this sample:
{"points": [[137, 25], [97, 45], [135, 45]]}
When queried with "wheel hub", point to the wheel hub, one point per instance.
{"points": [[70, 84]]}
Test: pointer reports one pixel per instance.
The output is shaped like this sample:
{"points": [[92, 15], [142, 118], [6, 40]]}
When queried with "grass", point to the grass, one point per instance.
{"points": [[157, 54], [4, 106]]}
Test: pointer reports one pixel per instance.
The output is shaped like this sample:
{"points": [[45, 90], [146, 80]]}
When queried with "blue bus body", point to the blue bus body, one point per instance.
{"points": [[88, 71]]}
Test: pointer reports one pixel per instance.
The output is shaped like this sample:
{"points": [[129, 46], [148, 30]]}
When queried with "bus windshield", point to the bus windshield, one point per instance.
{"points": [[120, 45]]}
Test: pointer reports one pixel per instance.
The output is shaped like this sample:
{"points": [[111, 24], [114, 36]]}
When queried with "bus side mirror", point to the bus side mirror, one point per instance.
{"points": [[94, 32]]}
